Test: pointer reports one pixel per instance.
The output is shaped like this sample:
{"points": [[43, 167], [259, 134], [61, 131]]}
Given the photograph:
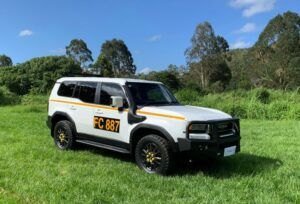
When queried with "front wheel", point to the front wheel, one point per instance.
{"points": [[153, 154]]}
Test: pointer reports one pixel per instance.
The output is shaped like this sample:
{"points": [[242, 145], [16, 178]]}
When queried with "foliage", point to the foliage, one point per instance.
{"points": [[277, 50], [37, 75], [213, 72], [206, 59], [5, 61], [241, 63], [80, 53], [7, 97], [33, 99], [172, 77], [263, 95], [253, 104], [120, 58], [103, 67]]}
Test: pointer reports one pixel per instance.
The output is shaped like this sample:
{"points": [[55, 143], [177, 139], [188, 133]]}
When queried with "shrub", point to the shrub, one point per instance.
{"points": [[263, 95], [187, 95], [31, 99], [254, 104], [7, 97]]}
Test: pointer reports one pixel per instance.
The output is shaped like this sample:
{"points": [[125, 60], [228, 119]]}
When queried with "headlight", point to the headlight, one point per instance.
{"points": [[199, 128], [199, 131]]}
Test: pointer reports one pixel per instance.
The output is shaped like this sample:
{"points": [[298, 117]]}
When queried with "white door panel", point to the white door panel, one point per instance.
{"points": [[110, 124]]}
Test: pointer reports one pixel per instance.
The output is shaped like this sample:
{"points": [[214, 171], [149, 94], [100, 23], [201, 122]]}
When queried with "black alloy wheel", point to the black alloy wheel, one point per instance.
{"points": [[153, 155], [63, 135]]}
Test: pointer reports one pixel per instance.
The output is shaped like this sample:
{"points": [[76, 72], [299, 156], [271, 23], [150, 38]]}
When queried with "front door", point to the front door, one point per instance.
{"points": [[109, 122]]}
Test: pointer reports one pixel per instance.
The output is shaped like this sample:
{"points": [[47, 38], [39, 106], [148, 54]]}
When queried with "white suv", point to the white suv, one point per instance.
{"points": [[139, 117]]}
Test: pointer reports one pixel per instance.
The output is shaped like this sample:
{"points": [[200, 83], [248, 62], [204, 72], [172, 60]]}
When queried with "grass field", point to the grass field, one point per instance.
{"points": [[32, 170]]}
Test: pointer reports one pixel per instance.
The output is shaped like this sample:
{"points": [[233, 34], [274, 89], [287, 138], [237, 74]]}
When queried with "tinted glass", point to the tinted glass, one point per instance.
{"points": [[86, 91], [108, 90], [151, 94], [66, 89]]}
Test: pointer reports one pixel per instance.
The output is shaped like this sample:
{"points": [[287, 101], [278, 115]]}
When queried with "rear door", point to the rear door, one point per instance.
{"points": [[109, 122], [84, 106]]}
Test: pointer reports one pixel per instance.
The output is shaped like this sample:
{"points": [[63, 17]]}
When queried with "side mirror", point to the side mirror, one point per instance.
{"points": [[117, 101]]}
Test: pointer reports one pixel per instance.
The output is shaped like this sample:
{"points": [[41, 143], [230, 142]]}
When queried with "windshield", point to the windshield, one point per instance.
{"points": [[145, 94]]}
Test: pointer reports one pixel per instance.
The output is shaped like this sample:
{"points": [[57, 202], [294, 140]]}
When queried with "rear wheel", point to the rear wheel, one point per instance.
{"points": [[153, 154], [63, 135]]}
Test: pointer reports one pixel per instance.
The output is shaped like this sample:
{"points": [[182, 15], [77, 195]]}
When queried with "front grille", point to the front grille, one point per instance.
{"points": [[220, 129], [225, 129]]}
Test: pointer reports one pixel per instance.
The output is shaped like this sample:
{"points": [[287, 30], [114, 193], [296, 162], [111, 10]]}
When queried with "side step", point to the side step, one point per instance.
{"points": [[104, 146]]}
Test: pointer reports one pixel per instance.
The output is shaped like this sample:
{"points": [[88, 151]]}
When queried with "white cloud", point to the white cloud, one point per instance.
{"points": [[240, 44], [247, 28], [252, 7], [58, 51], [25, 32], [146, 70], [154, 38]]}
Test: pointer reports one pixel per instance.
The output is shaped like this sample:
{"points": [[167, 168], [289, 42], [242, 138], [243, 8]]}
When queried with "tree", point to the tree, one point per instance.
{"points": [[120, 58], [37, 75], [5, 61], [216, 74], [204, 42], [79, 52], [103, 67], [206, 57], [276, 47], [241, 63], [166, 77], [222, 44]]}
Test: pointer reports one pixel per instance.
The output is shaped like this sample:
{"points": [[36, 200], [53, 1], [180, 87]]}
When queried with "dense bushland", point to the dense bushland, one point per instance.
{"points": [[37, 75], [254, 104]]}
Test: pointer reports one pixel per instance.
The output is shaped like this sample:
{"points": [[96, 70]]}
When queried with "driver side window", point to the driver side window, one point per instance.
{"points": [[111, 89]]}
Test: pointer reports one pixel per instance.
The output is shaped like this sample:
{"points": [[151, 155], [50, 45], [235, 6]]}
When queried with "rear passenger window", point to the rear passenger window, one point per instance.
{"points": [[86, 91], [108, 90], [66, 89]]}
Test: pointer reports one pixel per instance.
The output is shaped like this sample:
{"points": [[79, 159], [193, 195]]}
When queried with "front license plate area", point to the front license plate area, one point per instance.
{"points": [[228, 151]]}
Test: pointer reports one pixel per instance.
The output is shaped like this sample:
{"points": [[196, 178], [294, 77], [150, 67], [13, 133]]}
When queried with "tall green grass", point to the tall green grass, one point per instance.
{"points": [[254, 104]]}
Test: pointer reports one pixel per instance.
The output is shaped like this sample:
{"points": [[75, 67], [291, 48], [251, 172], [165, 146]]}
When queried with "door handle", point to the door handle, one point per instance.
{"points": [[73, 108], [99, 111]]}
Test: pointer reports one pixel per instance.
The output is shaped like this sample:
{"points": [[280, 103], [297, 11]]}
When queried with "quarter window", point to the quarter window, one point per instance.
{"points": [[108, 90], [66, 89]]}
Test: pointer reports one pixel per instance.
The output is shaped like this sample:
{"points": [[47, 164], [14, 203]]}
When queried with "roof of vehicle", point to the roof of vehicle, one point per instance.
{"points": [[121, 81]]}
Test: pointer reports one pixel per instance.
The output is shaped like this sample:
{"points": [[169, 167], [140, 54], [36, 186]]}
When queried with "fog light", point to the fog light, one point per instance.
{"points": [[199, 136]]}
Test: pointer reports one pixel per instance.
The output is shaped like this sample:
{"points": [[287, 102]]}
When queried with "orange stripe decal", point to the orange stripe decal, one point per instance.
{"points": [[161, 115], [111, 108], [84, 104]]}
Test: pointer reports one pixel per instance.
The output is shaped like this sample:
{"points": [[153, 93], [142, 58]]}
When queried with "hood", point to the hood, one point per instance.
{"points": [[190, 113]]}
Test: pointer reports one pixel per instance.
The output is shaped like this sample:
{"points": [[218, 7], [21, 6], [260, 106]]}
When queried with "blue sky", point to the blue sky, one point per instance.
{"points": [[157, 32]]}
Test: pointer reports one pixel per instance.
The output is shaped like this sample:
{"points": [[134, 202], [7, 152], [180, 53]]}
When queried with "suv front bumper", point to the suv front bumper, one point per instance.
{"points": [[209, 148], [216, 145]]}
